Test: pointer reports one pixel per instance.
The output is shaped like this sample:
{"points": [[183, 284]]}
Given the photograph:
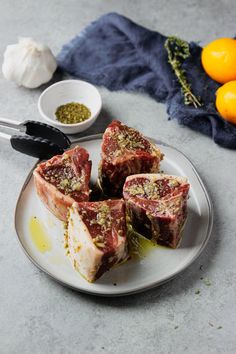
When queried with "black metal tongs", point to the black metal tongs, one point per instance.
{"points": [[39, 139]]}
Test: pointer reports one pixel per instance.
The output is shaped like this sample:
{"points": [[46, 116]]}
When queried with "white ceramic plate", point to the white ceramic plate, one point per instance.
{"points": [[160, 265]]}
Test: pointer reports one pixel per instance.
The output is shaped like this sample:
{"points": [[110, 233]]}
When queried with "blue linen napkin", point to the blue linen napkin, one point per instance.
{"points": [[117, 53]]}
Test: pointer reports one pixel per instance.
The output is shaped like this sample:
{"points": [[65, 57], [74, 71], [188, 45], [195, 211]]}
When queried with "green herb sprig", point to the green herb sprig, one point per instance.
{"points": [[178, 51]]}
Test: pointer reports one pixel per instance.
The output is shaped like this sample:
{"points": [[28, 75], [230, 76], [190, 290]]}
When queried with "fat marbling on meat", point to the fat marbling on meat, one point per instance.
{"points": [[96, 236], [157, 206], [63, 180], [125, 151]]}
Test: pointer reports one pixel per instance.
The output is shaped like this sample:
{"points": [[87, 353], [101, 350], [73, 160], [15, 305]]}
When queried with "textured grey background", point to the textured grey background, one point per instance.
{"points": [[37, 315]]}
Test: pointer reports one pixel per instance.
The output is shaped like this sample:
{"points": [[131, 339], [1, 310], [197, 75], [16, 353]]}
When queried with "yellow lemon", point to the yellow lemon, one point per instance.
{"points": [[226, 101], [219, 59]]}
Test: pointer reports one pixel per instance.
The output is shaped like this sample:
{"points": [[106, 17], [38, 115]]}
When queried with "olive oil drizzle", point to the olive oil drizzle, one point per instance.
{"points": [[39, 235], [139, 246]]}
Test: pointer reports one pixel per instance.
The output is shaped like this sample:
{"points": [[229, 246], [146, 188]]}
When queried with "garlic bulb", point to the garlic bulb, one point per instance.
{"points": [[28, 63]]}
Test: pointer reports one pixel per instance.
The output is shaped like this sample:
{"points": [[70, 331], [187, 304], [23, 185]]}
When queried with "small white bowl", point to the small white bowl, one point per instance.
{"points": [[65, 92]]}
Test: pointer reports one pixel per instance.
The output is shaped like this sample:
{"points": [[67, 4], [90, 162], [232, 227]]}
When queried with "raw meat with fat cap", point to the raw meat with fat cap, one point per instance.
{"points": [[157, 206], [96, 236], [63, 180], [125, 151]]}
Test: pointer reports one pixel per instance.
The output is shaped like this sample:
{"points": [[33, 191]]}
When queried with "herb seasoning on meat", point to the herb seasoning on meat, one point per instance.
{"points": [[72, 113]]}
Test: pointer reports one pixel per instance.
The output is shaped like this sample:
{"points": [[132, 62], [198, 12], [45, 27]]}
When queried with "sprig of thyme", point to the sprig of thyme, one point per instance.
{"points": [[178, 51]]}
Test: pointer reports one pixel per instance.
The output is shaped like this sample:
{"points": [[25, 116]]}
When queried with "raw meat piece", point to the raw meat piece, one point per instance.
{"points": [[157, 206], [62, 180], [96, 236], [125, 152]]}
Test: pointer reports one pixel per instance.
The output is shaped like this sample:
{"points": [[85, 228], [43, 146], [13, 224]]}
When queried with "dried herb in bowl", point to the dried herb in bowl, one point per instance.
{"points": [[72, 113]]}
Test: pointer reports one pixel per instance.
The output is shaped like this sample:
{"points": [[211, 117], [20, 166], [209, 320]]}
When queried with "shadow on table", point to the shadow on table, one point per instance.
{"points": [[99, 126], [58, 75]]}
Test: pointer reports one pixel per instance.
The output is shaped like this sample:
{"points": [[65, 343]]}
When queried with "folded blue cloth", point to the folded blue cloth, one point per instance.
{"points": [[117, 53]]}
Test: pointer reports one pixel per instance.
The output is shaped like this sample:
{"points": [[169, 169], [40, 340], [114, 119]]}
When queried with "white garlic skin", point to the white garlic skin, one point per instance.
{"points": [[28, 63]]}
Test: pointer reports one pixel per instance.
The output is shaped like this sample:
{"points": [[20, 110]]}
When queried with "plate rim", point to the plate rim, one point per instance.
{"points": [[138, 290]]}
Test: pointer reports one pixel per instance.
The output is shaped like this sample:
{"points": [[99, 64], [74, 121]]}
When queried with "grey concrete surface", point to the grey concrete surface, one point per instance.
{"points": [[39, 316]]}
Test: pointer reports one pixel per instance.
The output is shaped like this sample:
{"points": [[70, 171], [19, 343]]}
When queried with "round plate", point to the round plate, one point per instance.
{"points": [[159, 265]]}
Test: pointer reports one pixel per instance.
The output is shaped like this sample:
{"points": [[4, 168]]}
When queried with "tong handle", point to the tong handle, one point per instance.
{"points": [[48, 132], [9, 123], [35, 146]]}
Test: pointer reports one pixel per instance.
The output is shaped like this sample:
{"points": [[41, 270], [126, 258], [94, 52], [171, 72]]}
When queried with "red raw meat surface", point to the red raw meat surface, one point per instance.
{"points": [[63, 179], [103, 237], [125, 152], [157, 206]]}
